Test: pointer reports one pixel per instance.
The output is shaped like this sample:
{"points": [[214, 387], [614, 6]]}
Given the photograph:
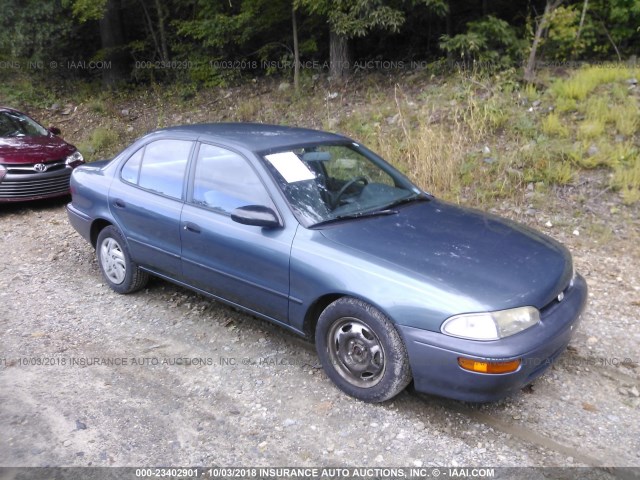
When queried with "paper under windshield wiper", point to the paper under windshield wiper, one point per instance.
{"points": [[372, 213]]}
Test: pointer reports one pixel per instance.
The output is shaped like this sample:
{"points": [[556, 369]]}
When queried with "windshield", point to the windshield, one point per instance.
{"points": [[327, 182], [14, 124]]}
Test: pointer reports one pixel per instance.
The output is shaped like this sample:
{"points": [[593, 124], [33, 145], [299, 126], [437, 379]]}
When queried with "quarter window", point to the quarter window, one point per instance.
{"points": [[131, 169], [159, 167], [224, 181]]}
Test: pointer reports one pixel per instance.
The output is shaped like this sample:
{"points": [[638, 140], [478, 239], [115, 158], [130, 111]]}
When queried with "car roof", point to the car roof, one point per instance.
{"points": [[257, 137]]}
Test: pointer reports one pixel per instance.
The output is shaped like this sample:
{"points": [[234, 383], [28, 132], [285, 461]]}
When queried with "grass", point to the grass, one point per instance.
{"points": [[586, 80], [552, 125], [591, 129], [596, 115], [464, 138], [627, 177], [102, 143]]}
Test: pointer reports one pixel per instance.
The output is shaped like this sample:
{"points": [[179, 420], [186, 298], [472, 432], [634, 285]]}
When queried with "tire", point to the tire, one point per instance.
{"points": [[119, 271], [361, 351]]}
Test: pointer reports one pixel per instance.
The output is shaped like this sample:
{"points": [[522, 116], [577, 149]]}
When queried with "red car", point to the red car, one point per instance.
{"points": [[34, 162]]}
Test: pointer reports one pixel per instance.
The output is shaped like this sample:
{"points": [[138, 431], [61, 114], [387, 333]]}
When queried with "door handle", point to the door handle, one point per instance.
{"points": [[192, 227], [119, 203]]}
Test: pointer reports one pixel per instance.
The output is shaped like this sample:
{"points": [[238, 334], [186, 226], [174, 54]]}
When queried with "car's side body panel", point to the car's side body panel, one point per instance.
{"points": [[151, 225], [244, 264], [90, 190]]}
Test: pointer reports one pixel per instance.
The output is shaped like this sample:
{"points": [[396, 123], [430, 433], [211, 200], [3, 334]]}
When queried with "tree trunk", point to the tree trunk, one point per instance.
{"points": [[152, 31], [338, 56], [161, 32], [449, 30], [296, 52], [530, 69], [112, 39], [584, 14]]}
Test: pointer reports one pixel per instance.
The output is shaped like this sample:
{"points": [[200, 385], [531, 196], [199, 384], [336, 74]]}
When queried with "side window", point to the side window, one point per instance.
{"points": [[163, 166], [224, 181], [129, 172]]}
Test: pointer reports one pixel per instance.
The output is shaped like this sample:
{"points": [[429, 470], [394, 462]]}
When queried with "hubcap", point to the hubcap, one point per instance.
{"points": [[112, 260], [356, 352]]}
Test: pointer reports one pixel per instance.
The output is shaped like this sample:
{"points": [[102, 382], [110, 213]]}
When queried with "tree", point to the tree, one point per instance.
{"points": [[37, 30], [530, 69], [108, 13], [348, 19], [488, 40], [296, 50]]}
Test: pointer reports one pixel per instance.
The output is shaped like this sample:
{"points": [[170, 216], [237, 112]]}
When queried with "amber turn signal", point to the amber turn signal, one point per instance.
{"points": [[489, 367]]}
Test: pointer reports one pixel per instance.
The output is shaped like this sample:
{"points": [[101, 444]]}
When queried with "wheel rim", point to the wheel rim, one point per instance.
{"points": [[356, 352], [112, 261]]}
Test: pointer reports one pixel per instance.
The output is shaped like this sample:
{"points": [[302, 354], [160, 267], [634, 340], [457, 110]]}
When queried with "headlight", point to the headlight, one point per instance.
{"points": [[3, 171], [491, 325], [74, 159]]}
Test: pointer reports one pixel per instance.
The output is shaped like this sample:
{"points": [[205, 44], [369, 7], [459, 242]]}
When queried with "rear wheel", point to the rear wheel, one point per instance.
{"points": [[361, 351], [115, 263]]}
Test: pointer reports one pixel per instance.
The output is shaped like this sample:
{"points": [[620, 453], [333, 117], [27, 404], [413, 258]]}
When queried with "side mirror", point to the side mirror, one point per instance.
{"points": [[55, 130], [256, 215]]}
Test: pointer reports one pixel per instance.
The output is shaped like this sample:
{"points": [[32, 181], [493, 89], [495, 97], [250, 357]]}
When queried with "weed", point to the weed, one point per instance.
{"points": [[626, 179], [553, 126], [102, 143], [588, 79], [248, 109], [530, 92], [590, 129], [564, 105], [97, 105], [625, 118]]}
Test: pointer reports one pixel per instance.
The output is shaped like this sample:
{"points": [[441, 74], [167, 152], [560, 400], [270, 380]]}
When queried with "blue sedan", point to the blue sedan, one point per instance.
{"points": [[314, 232]]}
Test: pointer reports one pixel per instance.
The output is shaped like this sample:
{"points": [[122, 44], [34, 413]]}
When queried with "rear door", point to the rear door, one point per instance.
{"points": [[146, 200], [243, 264]]}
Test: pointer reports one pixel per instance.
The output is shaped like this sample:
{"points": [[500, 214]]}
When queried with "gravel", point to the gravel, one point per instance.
{"points": [[167, 377]]}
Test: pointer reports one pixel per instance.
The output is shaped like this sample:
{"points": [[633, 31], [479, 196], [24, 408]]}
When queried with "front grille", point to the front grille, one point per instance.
{"points": [[34, 187], [52, 166]]}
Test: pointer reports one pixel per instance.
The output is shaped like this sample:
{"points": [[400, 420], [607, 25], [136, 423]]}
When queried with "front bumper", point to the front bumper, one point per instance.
{"points": [[434, 356]]}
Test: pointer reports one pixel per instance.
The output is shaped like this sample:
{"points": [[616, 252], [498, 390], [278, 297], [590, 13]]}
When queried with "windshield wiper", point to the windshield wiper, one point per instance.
{"points": [[351, 216], [418, 197]]}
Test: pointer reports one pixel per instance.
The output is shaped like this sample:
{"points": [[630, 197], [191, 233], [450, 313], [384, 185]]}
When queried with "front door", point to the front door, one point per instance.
{"points": [[243, 264]]}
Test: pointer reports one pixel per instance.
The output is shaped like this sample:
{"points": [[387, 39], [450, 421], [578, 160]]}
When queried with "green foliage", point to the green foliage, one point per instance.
{"points": [[562, 40], [487, 40], [355, 18], [587, 79], [627, 180], [85, 10], [33, 29], [102, 143], [606, 132], [552, 125]]}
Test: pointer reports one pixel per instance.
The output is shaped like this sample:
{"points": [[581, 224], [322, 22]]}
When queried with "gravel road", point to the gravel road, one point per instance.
{"points": [[168, 377]]}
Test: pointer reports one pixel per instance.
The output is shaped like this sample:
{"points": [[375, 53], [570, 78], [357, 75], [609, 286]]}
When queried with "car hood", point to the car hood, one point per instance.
{"points": [[38, 149], [494, 262]]}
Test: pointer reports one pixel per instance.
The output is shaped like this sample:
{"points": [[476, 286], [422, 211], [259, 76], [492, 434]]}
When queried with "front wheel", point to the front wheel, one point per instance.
{"points": [[115, 263], [361, 351]]}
